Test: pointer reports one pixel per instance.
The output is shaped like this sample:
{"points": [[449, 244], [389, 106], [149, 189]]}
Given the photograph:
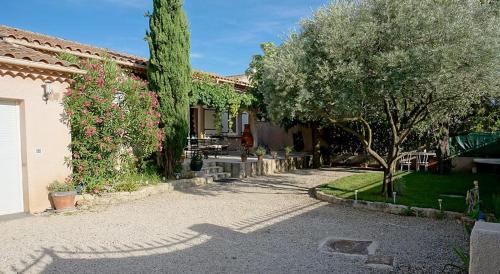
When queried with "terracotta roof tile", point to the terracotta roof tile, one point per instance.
{"points": [[24, 53], [38, 39], [37, 47]]}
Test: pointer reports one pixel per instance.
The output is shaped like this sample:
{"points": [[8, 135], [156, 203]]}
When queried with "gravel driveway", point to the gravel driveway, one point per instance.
{"points": [[259, 225]]}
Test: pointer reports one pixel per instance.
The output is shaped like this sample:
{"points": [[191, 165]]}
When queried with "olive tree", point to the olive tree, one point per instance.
{"points": [[404, 65]]}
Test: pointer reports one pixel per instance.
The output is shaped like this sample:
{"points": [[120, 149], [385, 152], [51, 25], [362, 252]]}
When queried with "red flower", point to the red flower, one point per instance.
{"points": [[90, 131], [100, 81]]}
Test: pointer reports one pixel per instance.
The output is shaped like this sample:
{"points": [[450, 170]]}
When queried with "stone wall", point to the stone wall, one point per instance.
{"points": [[265, 167], [388, 208], [89, 200]]}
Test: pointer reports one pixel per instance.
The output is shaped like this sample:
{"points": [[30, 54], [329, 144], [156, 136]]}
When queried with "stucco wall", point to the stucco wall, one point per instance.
{"points": [[45, 138]]}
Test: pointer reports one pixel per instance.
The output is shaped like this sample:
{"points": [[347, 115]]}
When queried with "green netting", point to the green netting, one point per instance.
{"points": [[476, 145]]}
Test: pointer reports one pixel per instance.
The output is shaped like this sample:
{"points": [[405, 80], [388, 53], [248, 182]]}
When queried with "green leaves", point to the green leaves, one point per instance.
{"points": [[169, 75], [220, 96], [114, 124], [353, 55]]}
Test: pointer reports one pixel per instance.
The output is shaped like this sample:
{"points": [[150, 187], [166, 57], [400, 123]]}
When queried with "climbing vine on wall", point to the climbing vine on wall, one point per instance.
{"points": [[219, 96]]}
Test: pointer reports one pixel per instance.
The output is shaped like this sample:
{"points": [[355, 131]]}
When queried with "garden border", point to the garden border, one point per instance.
{"points": [[386, 207], [86, 201]]}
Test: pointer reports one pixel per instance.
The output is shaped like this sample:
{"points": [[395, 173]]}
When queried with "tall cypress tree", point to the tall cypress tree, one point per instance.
{"points": [[169, 74]]}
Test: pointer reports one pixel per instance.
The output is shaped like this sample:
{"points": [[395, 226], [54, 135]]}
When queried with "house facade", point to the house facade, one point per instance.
{"points": [[34, 138]]}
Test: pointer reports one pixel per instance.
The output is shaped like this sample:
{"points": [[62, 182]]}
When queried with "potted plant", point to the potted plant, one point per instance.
{"points": [[260, 152], [288, 150], [244, 154], [274, 154], [196, 162], [62, 195]]}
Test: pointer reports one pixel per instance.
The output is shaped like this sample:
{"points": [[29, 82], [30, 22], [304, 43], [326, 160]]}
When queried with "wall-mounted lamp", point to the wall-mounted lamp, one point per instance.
{"points": [[47, 91]]}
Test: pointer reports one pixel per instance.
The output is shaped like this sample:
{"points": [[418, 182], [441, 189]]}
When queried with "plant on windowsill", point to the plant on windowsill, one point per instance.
{"points": [[62, 195], [196, 162], [260, 152]]}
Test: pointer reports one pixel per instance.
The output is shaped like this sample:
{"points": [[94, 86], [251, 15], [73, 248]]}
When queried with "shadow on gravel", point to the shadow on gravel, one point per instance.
{"points": [[279, 241], [295, 182]]}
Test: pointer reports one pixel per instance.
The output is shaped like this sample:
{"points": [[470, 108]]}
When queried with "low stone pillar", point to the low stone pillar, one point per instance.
{"points": [[485, 248]]}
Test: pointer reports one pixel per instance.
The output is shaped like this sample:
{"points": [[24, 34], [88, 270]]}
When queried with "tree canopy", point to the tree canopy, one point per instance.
{"points": [[404, 65]]}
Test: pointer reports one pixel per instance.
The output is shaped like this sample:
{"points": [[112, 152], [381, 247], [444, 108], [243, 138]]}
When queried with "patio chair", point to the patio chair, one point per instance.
{"points": [[405, 161], [422, 160]]}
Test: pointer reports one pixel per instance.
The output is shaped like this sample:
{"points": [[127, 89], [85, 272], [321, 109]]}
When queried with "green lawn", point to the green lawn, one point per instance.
{"points": [[421, 189]]}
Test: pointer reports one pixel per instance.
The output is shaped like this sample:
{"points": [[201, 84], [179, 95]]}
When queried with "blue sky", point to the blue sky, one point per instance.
{"points": [[225, 34]]}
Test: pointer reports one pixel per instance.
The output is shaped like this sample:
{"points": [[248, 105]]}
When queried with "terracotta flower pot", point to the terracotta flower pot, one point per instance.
{"points": [[260, 157], [243, 158], [63, 200]]}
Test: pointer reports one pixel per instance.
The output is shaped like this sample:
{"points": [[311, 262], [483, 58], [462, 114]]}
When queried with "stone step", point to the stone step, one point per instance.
{"points": [[208, 171], [212, 169], [220, 176], [209, 164]]}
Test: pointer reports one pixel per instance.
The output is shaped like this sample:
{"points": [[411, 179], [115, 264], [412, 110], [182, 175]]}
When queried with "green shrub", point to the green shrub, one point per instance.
{"points": [[114, 121], [408, 211], [260, 151], [495, 199], [126, 186], [57, 186], [178, 168], [143, 179], [400, 186]]}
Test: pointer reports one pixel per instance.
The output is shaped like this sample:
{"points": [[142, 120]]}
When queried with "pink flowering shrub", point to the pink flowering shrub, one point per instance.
{"points": [[114, 124]]}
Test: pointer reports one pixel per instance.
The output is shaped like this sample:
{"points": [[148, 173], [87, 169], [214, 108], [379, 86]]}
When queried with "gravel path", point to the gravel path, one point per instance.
{"points": [[260, 225]]}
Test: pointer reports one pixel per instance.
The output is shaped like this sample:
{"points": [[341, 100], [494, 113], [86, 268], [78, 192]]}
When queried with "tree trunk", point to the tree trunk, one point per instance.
{"points": [[443, 153], [316, 146], [168, 163], [387, 184]]}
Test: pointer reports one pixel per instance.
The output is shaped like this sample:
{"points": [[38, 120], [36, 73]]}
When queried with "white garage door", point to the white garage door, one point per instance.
{"points": [[11, 189]]}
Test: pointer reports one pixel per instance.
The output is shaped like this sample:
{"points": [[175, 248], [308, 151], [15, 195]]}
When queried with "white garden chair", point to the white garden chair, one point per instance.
{"points": [[423, 160], [405, 161]]}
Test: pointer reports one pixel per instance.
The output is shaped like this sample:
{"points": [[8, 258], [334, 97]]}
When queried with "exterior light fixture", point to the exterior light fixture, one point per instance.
{"points": [[47, 91]]}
